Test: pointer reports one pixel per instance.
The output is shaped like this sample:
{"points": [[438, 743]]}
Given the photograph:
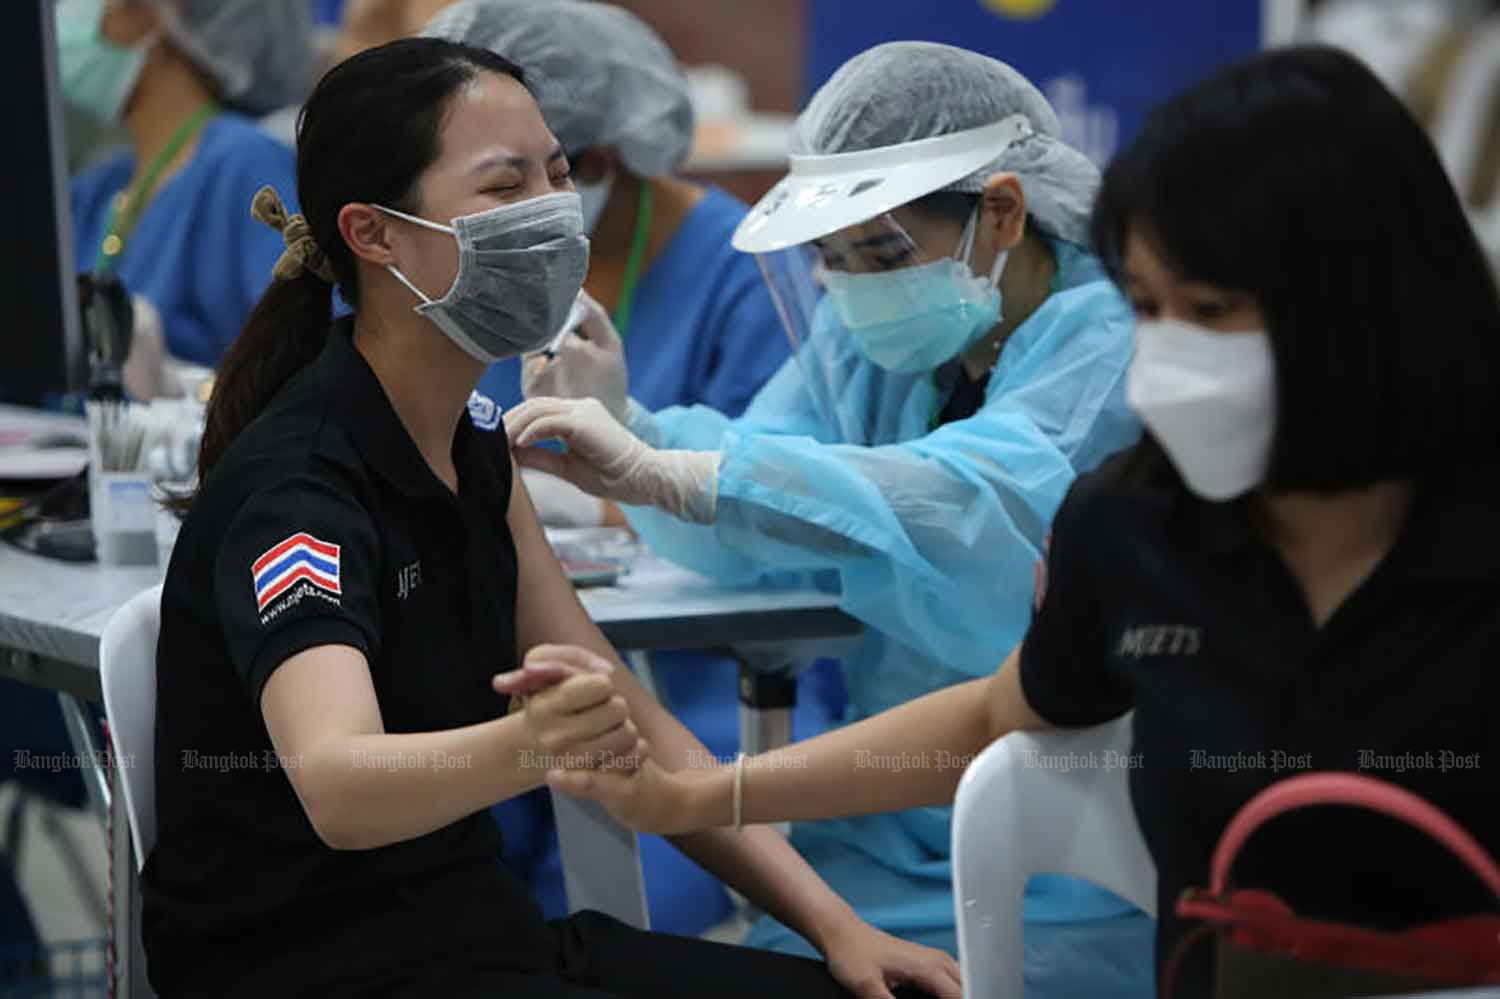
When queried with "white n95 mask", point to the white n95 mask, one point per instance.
{"points": [[1209, 399], [520, 267], [594, 197]]}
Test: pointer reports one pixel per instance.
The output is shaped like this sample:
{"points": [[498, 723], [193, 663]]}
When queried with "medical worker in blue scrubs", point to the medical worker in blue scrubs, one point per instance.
{"points": [[698, 325], [171, 215], [697, 322], [960, 359]]}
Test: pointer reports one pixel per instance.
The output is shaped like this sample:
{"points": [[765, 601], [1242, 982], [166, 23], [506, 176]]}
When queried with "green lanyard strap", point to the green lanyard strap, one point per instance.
{"points": [[637, 260], [120, 224]]}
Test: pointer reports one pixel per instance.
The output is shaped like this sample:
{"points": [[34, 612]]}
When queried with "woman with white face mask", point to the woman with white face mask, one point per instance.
{"points": [[1298, 568], [960, 358], [185, 79], [353, 574]]}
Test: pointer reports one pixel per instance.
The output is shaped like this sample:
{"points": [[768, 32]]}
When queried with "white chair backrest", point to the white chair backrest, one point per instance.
{"points": [[127, 672], [1040, 803]]}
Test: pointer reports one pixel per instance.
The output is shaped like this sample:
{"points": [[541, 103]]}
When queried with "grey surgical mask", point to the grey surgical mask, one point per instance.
{"points": [[520, 267]]}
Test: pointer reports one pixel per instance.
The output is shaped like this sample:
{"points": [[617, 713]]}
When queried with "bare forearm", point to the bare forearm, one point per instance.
{"points": [[365, 791], [910, 756]]}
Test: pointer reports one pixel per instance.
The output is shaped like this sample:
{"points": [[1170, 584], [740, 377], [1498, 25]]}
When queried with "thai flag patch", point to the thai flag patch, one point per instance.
{"points": [[299, 557]]}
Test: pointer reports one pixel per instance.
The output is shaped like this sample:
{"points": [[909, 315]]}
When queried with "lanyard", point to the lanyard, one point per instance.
{"points": [[636, 260], [125, 209]]}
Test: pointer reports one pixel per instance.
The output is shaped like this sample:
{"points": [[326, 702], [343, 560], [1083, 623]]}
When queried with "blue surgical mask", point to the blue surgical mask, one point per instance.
{"points": [[918, 318], [97, 75]]}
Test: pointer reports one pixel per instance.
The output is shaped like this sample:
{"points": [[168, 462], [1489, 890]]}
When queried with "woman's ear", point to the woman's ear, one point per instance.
{"points": [[366, 231], [1004, 210]]}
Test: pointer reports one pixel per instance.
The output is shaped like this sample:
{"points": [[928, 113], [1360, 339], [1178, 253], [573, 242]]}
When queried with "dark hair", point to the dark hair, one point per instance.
{"points": [[955, 206], [1298, 178], [367, 133], [958, 207]]}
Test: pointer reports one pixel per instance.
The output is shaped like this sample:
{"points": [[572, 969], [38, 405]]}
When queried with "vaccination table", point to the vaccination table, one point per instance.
{"points": [[52, 615]]}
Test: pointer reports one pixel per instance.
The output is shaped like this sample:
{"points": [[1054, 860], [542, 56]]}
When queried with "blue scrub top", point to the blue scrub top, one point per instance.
{"points": [[704, 330], [196, 254]]}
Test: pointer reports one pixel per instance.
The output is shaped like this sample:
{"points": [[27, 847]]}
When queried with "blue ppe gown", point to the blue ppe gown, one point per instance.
{"points": [[931, 536], [195, 254]]}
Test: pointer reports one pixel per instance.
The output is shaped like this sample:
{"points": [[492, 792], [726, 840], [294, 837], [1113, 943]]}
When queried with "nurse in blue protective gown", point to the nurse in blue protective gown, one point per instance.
{"points": [[171, 215], [960, 359], [698, 325]]}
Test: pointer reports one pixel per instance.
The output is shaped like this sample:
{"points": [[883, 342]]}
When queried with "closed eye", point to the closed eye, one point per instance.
{"points": [[893, 261]]}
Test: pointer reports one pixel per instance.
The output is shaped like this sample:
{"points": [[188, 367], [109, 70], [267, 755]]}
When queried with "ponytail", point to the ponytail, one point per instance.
{"points": [[283, 335], [285, 331]]}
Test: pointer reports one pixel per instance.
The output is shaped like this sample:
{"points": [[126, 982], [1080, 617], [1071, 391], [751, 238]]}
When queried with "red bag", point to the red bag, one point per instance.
{"points": [[1265, 949]]}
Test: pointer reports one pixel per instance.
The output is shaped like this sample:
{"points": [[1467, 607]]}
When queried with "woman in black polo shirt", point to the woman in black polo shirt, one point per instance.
{"points": [[1300, 566], [330, 730]]}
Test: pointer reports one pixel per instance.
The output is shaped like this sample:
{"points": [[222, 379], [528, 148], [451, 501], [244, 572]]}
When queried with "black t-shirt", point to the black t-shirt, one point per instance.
{"points": [[322, 524], [1174, 607]]}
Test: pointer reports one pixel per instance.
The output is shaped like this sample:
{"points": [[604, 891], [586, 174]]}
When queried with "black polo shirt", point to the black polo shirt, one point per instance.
{"points": [[321, 525], [1157, 601]]}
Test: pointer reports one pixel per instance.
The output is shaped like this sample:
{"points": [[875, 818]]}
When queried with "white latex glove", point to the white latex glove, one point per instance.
{"points": [[606, 460], [559, 503], [589, 364]]}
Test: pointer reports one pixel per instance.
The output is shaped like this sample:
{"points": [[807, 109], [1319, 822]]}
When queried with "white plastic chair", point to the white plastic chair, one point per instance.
{"points": [[601, 859], [127, 672], [1019, 814]]}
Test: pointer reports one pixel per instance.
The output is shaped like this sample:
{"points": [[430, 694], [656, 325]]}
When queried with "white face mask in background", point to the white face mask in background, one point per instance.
{"points": [[1209, 399], [594, 197]]}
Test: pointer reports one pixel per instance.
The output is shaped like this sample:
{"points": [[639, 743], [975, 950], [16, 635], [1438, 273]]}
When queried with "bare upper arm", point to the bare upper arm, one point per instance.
{"points": [[548, 611], [320, 693]]}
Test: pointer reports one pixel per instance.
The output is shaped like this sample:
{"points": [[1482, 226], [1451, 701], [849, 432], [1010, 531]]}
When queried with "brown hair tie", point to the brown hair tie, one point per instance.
{"points": [[302, 253]]}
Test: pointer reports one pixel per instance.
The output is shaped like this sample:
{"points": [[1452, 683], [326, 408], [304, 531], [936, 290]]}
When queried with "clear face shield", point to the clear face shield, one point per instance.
{"points": [[872, 291], [908, 303]]}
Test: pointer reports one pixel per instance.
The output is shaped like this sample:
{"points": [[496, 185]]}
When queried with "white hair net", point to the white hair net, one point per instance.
{"points": [[905, 91], [259, 52], [599, 74]]}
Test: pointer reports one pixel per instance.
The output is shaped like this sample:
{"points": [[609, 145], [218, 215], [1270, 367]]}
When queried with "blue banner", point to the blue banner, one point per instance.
{"points": [[1104, 64]]}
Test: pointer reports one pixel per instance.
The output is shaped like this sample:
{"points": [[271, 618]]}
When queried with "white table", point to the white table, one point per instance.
{"points": [[52, 615]]}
